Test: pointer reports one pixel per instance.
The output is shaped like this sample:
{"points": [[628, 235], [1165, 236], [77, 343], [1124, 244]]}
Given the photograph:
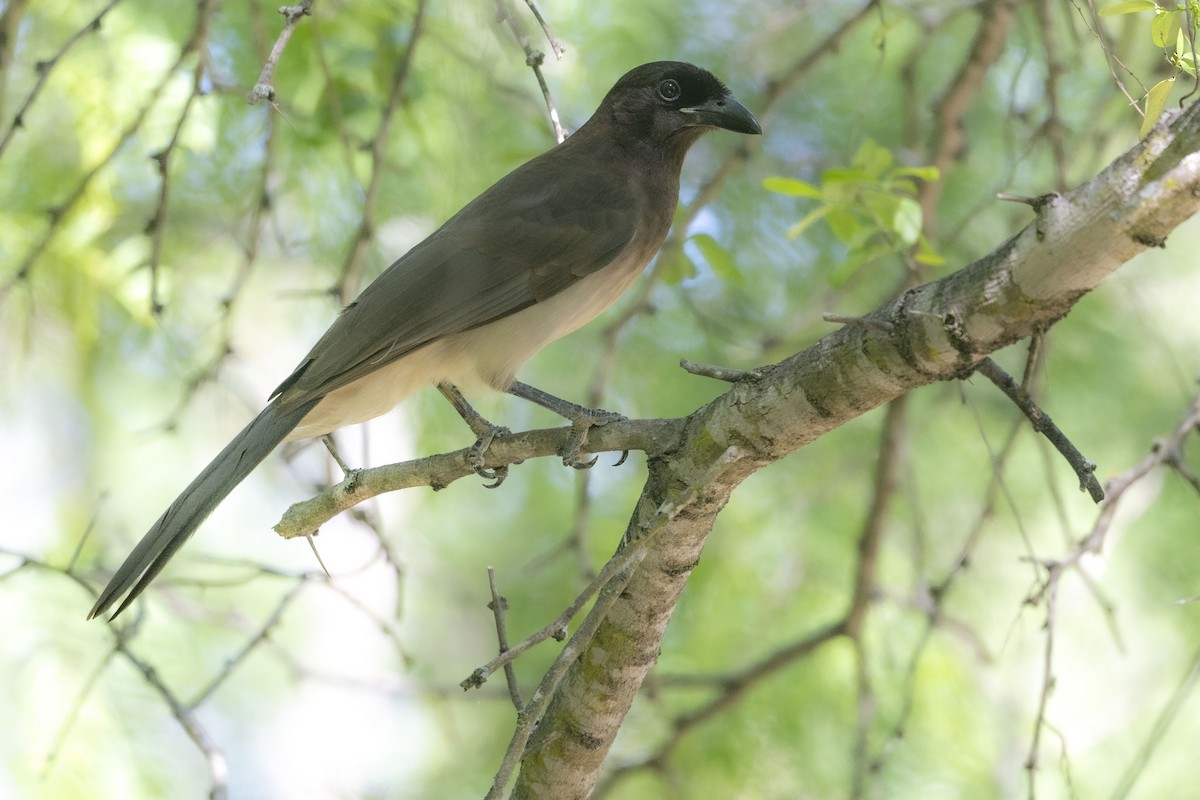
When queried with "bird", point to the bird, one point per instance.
{"points": [[540, 253]]}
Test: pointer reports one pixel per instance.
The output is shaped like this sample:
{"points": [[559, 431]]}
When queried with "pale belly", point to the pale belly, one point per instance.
{"points": [[489, 355]]}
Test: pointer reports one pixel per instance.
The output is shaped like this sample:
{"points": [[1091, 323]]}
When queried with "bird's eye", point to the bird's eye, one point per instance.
{"points": [[669, 90]]}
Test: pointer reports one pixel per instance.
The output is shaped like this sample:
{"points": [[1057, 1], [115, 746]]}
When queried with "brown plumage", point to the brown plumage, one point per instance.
{"points": [[542, 252]]}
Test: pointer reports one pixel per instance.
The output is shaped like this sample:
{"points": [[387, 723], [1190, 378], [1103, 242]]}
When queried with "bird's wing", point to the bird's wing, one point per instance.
{"points": [[527, 238]]}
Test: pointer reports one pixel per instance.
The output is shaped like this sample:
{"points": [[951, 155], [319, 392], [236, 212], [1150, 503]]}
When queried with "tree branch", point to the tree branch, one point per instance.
{"points": [[1084, 469], [937, 331], [264, 88], [439, 471], [942, 330]]}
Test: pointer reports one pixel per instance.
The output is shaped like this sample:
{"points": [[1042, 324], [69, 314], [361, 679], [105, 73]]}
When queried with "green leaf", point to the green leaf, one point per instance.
{"points": [[843, 223], [849, 175], [926, 254], [1156, 103], [901, 186], [1186, 63], [881, 206], [1163, 28], [879, 37], [855, 261], [923, 173], [809, 218], [863, 235], [906, 221], [718, 258], [872, 158], [791, 186], [1129, 7], [679, 269]]}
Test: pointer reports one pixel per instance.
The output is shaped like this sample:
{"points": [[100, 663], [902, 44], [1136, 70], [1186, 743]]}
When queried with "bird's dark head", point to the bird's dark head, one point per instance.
{"points": [[671, 103]]}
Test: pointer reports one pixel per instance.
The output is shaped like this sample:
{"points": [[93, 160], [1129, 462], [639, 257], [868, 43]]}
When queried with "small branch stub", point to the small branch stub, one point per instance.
{"points": [[727, 374]]}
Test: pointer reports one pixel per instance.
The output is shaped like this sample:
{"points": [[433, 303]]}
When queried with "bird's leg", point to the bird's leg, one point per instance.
{"points": [[582, 420], [484, 431], [332, 447]]}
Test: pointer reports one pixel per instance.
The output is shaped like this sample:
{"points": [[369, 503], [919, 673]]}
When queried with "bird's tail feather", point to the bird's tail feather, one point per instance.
{"points": [[196, 502]]}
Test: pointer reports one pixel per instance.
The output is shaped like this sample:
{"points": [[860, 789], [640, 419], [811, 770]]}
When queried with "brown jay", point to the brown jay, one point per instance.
{"points": [[542, 252]]}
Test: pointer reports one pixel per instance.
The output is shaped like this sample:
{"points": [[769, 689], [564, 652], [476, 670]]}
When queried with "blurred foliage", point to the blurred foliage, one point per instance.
{"points": [[870, 206], [1173, 29], [168, 252]]}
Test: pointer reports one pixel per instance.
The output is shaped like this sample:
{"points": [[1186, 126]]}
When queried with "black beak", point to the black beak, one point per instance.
{"points": [[724, 113]]}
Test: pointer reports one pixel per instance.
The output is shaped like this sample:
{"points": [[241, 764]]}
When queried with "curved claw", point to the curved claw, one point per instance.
{"points": [[583, 464], [572, 449], [580, 425], [621, 460], [496, 476], [475, 457]]}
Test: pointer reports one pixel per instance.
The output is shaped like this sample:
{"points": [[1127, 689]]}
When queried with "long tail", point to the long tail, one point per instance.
{"points": [[192, 507]]}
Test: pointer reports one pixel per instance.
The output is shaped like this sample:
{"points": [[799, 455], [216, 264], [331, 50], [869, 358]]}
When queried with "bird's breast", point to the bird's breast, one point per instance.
{"points": [[498, 349]]}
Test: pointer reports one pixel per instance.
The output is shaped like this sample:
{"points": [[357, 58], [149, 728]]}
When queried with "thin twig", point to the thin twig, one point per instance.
{"points": [[1084, 469], [867, 710], [260, 636], [263, 88], [218, 767], [951, 107], [1161, 454], [60, 211], [531, 714], [498, 606], [1159, 730], [555, 46], [533, 58], [157, 227], [72, 717], [1039, 722], [44, 67], [557, 629], [1036, 203], [734, 688], [348, 284]]}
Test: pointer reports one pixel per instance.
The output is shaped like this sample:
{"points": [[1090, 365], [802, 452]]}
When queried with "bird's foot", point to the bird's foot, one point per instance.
{"points": [[572, 451], [479, 450], [582, 418], [484, 431]]}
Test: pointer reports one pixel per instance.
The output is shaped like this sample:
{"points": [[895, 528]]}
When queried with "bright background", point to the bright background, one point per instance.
{"points": [[348, 688]]}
